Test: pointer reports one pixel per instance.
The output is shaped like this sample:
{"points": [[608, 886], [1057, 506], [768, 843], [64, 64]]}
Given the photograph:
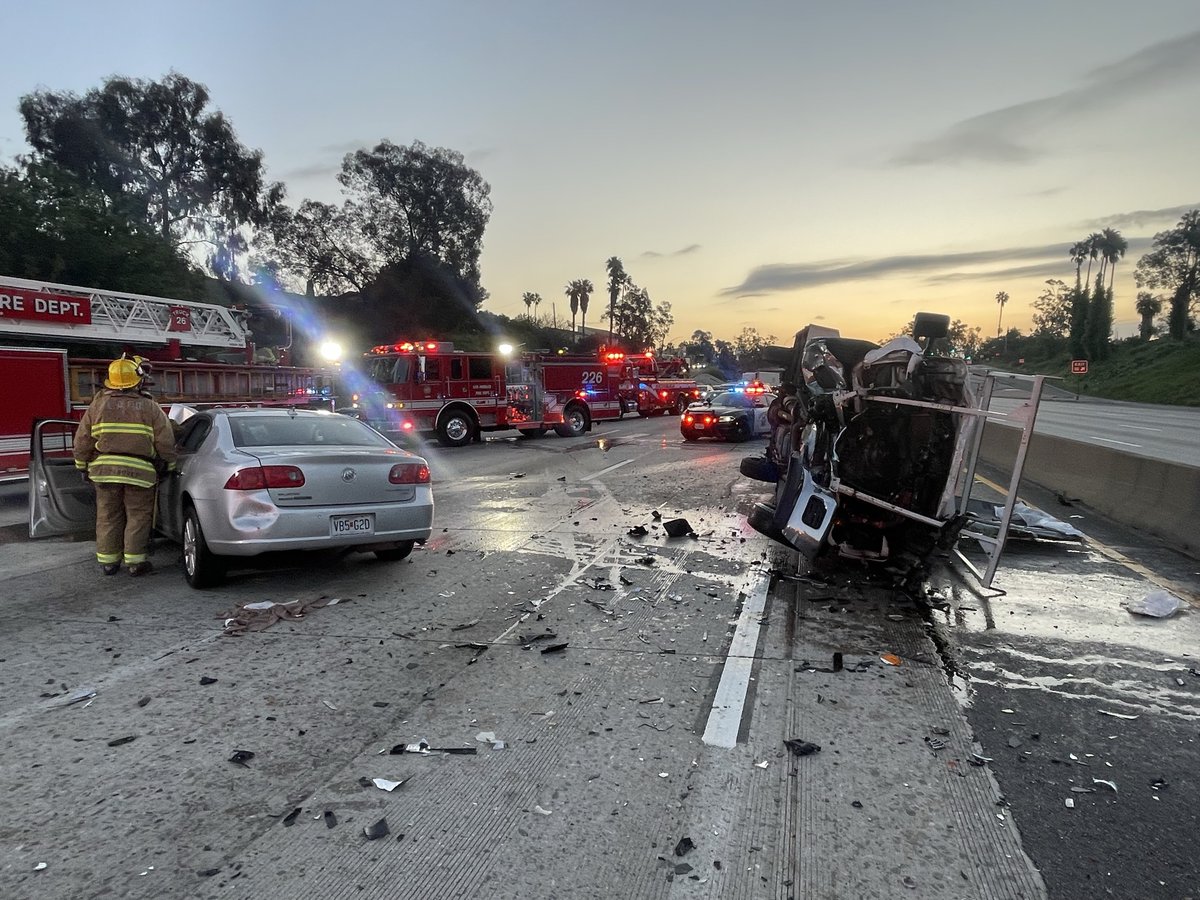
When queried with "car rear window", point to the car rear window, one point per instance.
{"points": [[302, 431]]}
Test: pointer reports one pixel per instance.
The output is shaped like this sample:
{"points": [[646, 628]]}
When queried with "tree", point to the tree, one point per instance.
{"points": [[1052, 310], [418, 200], [527, 299], [964, 339], [748, 345], [319, 246], [572, 291], [700, 346], [157, 153], [1148, 306], [1174, 265], [616, 281], [1112, 247], [54, 228], [1002, 299], [585, 288], [1098, 327]]}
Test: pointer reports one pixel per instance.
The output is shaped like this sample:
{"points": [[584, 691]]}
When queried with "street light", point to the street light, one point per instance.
{"points": [[331, 351]]}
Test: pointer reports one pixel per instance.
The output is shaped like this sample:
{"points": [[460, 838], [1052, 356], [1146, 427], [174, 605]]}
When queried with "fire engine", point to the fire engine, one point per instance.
{"points": [[53, 332], [412, 387], [657, 387]]}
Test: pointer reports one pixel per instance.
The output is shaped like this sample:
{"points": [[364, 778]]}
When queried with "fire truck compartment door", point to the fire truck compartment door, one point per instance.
{"points": [[60, 501]]}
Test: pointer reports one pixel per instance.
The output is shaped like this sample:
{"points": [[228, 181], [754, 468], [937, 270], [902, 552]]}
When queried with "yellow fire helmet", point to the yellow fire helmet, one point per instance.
{"points": [[123, 374]]}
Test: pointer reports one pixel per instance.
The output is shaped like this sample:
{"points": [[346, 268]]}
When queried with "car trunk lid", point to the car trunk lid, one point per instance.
{"points": [[338, 476]]}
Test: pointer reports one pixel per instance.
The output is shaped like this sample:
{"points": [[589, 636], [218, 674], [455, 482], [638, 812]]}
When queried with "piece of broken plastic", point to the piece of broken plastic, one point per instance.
{"points": [[77, 696], [541, 812], [555, 648], [377, 830], [385, 784], [678, 528], [685, 846], [241, 757], [290, 819], [801, 748], [638, 531], [890, 658], [1156, 605]]}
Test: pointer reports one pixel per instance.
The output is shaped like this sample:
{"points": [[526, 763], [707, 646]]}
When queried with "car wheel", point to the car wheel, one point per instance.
{"points": [[395, 554], [574, 422], [456, 430], [681, 405], [688, 436], [742, 432], [201, 567]]}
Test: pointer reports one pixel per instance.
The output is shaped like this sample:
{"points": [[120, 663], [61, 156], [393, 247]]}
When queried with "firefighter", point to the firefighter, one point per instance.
{"points": [[124, 442]]}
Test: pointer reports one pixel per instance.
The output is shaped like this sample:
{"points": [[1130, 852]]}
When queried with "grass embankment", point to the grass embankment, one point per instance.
{"points": [[1162, 371]]}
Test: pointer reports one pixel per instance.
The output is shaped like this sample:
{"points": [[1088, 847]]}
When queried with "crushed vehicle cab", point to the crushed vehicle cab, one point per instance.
{"points": [[866, 446]]}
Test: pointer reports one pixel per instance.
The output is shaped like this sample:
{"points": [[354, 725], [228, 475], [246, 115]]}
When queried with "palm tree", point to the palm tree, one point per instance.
{"points": [[572, 291], [585, 293], [1093, 242], [1079, 252], [1148, 306], [616, 280], [1113, 248], [527, 299], [536, 301], [1002, 299]]}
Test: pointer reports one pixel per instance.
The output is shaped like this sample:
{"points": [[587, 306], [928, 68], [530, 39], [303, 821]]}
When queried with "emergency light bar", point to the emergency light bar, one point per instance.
{"points": [[415, 347]]}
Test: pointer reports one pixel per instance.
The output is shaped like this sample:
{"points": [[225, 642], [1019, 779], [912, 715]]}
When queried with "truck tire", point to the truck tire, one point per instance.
{"points": [[681, 405], [533, 432], [575, 422], [456, 429]]}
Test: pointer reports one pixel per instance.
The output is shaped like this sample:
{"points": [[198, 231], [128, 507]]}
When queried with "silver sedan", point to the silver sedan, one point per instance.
{"points": [[249, 481]]}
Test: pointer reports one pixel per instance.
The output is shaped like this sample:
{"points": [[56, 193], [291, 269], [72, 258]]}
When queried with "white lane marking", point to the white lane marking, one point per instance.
{"points": [[726, 716], [1139, 428], [1096, 437], [606, 471]]}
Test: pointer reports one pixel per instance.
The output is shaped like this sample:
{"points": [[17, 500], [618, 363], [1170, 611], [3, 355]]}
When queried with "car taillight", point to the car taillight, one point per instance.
{"points": [[689, 419], [663, 394], [409, 473], [262, 477]]}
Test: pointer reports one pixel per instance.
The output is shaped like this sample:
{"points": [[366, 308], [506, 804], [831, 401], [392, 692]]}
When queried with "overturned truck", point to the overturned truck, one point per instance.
{"points": [[867, 446]]}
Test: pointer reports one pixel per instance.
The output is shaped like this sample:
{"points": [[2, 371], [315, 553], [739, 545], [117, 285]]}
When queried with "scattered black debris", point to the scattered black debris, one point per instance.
{"points": [[678, 528], [655, 515], [625, 580], [380, 704], [909, 882], [943, 732], [801, 748], [562, 478], [145, 701], [857, 804], [837, 662], [365, 781], [114, 618], [204, 679], [290, 819], [682, 868], [330, 819], [377, 830], [555, 648], [717, 864], [207, 873], [129, 739], [472, 645], [1015, 742], [935, 744], [241, 757], [529, 640], [638, 531], [518, 475], [647, 561], [684, 846], [465, 625], [1065, 500]]}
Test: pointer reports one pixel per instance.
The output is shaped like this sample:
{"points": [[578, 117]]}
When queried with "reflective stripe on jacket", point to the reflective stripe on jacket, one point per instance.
{"points": [[120, 437]]}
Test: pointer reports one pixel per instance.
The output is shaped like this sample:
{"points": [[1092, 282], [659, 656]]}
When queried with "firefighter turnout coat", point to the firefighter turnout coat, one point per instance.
{"points": [[121, 436]]}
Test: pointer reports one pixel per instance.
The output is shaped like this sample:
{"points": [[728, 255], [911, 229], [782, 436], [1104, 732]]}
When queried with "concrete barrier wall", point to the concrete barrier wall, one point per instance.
{"points": [[1158, 497]]}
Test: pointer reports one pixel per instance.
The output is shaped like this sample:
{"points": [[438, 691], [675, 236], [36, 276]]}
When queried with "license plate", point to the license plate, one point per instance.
{"points": [[699, 427], [340, 526]]}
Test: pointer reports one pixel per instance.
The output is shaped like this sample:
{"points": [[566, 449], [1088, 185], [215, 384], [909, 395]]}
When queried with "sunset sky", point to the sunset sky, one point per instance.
{"points": [[760, 164]]}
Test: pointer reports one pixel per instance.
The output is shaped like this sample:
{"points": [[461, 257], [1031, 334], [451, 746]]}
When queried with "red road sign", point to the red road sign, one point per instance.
{"points": [[1079, 366]]}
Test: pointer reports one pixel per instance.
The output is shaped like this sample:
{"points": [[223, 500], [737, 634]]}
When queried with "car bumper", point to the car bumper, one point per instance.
{"points": [[251, 525]]}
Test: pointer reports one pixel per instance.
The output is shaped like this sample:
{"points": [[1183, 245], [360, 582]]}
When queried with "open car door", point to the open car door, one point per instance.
{"points": [[60, 501]]}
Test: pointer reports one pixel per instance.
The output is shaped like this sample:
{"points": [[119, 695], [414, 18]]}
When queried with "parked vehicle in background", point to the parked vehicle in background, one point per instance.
{"points": [[656, 387], [729, 416], [429, 387], [253, 481]]}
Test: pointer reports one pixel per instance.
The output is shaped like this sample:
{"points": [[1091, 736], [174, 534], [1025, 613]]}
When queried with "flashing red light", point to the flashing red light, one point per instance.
{"points": [[409, 473], [261, 477], [663, 394], [407, 426], [689, 418]]}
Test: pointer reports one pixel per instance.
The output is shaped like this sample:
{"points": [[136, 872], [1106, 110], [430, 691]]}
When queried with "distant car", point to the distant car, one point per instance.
{"points": [[735, 415], [251, 481]]}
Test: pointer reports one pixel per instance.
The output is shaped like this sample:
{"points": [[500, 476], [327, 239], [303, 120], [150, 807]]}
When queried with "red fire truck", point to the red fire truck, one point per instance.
{"points": [[657, 387], [429, 387], [53, 335]]}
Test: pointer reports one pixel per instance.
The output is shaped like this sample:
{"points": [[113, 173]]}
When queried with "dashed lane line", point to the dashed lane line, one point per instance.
{"points": [[725, 718]]}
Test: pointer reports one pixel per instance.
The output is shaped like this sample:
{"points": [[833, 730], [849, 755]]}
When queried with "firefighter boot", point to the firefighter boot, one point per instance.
{"points": [[142, 568]]}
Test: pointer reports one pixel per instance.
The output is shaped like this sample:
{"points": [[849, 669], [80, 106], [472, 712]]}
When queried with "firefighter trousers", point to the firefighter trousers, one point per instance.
{"points": [[124, 516]]}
